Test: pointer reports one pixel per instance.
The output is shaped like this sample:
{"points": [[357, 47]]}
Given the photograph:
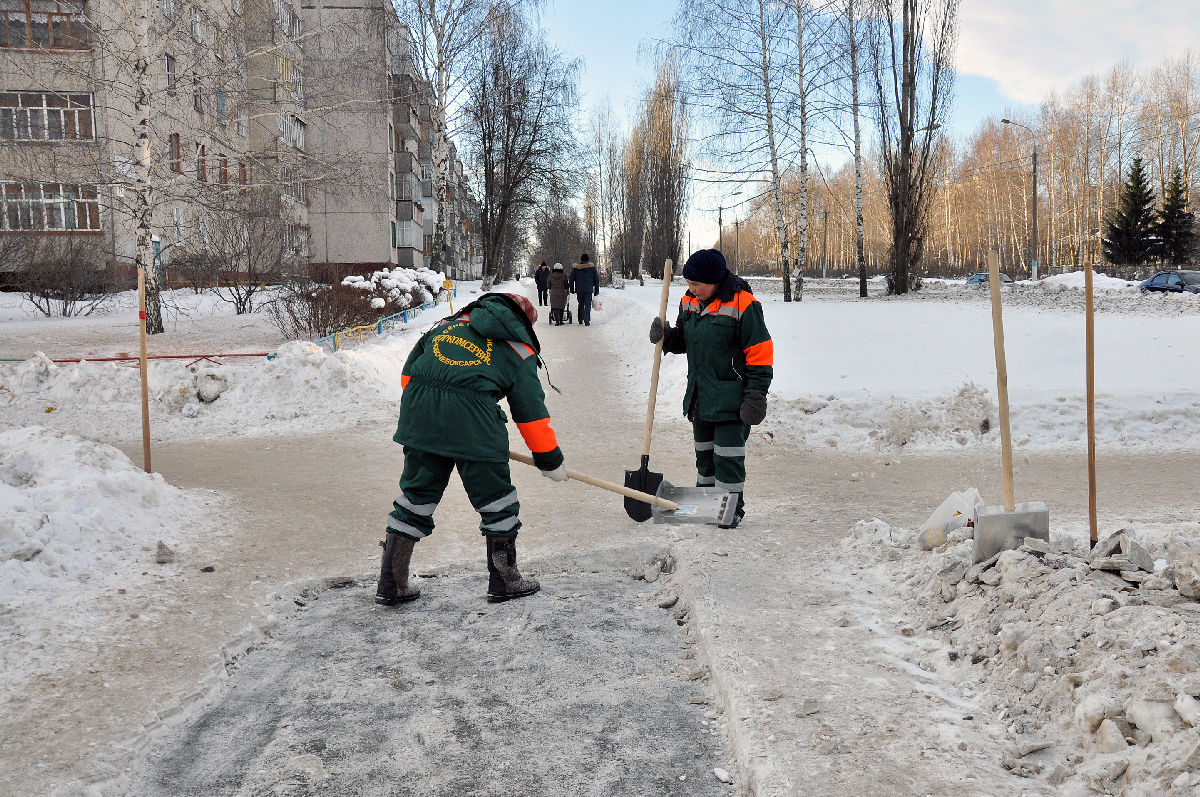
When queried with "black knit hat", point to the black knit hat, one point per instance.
{"points": [[543, 264], [705, 265], [584, 258]]}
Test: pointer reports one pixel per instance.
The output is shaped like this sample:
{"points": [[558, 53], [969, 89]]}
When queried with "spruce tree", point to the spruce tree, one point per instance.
{"points": [[1131, 230], [1177, 229]]}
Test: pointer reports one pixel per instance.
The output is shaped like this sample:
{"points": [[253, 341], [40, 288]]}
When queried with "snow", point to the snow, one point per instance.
{"points": [[883, 375]]}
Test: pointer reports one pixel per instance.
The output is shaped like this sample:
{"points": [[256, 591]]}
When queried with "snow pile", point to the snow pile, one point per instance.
{"points": [[1091, 663], [396, 285], [75, 514], [1078, 279]]}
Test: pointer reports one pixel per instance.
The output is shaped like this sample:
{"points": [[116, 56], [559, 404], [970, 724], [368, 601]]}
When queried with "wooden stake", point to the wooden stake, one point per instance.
{"points": [[1001, 381], [1090, 368], [142, 368]]}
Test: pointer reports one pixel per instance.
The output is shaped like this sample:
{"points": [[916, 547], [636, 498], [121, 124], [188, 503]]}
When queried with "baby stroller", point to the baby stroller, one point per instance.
{"points": [[566, 314]]}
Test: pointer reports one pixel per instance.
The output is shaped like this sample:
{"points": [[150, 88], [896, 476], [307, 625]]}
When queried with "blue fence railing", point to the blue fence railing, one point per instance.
{"points": [[344, 337]]}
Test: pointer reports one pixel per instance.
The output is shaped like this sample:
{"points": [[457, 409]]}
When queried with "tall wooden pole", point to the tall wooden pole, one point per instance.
{"points": [[1090, 346], [1001, 381], [142, 368]]}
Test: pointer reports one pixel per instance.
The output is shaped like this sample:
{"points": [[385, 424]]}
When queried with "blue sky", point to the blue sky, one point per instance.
{"points": [[1011, 53]]}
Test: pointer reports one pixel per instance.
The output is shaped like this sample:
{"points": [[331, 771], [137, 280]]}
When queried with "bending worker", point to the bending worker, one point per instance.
{"points": [[453, 381], [730, 356]]}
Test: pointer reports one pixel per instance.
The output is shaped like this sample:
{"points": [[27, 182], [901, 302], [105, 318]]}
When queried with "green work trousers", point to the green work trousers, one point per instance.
{"points": [[424, 480], [721, 457]]}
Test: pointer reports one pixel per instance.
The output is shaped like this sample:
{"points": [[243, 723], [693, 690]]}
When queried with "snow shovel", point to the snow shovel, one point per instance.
{"points": [[671, 504], [643, 479], [998, 528]]}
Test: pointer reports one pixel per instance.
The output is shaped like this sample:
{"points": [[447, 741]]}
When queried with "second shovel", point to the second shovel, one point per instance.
{"points": [[643, 478]]}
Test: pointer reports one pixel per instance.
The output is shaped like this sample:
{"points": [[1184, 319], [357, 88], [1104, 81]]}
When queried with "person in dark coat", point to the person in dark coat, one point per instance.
{"points": [[730, 359], [541, 278], [559, 284], [585, 283], [453, 381]]}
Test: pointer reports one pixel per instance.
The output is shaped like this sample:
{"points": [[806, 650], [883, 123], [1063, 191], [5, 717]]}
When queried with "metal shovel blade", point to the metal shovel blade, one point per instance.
{"points": [[645, 480], [696, 505]]}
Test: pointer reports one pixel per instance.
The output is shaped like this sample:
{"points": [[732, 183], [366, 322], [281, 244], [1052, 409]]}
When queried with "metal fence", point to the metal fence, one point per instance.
{"points": [[342, 338]]}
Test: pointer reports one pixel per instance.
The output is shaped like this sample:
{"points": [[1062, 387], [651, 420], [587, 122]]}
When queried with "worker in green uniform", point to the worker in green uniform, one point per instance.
{"points": [[450, 418], [730, 359]]}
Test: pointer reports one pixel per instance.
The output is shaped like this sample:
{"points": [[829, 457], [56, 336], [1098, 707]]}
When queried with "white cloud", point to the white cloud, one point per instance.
{"points": [[1032, 47]]}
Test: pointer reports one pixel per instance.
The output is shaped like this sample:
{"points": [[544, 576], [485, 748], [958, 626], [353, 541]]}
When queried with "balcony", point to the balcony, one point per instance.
{"points": [[410, 211], [406, 163], [408, 187], [407, 122], [409, 235]]}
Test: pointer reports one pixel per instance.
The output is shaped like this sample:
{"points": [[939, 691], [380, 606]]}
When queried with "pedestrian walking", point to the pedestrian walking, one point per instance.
{"points": [[541, 278], [453, 379], [730, 355], [559, 284], [585, 283]]}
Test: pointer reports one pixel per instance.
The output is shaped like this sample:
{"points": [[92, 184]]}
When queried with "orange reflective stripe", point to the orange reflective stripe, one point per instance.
{"points": [[539, 436], [761, 353], [404, 381]]}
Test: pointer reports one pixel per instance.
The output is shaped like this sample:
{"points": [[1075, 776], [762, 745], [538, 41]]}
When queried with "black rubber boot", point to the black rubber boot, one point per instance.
{"points": [[393, 575], [504, 580]]}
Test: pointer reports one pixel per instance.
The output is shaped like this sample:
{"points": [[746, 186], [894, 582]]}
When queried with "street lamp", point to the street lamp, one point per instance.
{"points": [[1033, 254], [720, 224]]}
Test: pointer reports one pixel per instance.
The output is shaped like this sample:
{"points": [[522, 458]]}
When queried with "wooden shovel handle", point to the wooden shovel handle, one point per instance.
{"points": [[658, 347], [1001, 381], [612, 487]]}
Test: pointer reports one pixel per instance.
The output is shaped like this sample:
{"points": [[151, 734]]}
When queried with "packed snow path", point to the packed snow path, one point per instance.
{"points": [[810, 662]]}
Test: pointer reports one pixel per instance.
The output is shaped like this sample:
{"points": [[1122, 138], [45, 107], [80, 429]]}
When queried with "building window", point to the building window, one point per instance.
{"points": [[221, 105], [296, 83], [53, 207], [201, 165], [196, 28], [295, 239], [291, 130], [220, 49], [223, 173], [393, 235], [241, 121], [242, 175], [202, 229], [197, 94], [38, 116], [168, 8], [177, 224], [427, 247], [169, 65], [57, 24], [237, 6], [174, 153]]}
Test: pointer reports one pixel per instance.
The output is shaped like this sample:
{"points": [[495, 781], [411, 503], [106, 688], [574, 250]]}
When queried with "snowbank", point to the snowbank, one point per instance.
{"points": [[1092, 674], [400, 283]]}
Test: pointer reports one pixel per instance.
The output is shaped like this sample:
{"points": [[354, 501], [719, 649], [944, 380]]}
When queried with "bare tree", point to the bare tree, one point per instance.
{"points": [[666, 165], [912, 51], [520, 136]]}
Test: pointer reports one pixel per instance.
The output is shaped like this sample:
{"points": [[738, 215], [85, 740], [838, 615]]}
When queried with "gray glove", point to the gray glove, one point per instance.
{"points": [[656, 330], [754, 407], [559, 474]]}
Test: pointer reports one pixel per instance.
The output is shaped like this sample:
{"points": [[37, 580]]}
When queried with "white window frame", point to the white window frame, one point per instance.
{"points": [[33, 118]]}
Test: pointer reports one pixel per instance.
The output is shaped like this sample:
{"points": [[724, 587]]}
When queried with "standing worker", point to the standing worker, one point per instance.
{"points": [[730, 356], [585, 283], [453, 380], [559, 284], [541, 278]]}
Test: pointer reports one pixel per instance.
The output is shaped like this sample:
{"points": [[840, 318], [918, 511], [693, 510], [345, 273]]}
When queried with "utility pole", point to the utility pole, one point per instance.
{"points": [[825, 247], [720, 230], [1033, 243], [737, 245]]}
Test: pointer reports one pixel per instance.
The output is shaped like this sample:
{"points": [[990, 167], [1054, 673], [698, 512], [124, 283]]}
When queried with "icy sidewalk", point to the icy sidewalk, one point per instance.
{"points": [[580, 690]]}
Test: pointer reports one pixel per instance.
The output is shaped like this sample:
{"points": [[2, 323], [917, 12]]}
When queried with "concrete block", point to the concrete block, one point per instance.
{"points": [[997, 530]]}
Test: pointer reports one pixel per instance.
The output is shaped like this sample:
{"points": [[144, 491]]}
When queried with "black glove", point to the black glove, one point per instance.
{"points": [[754, 407], [656, 330]]}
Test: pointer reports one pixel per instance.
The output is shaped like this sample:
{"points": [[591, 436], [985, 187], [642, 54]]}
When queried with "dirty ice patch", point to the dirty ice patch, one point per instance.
{"points": [[74, 513]]}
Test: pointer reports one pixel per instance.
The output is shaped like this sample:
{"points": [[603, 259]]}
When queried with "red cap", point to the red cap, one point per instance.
{"points": [[526, 305]]}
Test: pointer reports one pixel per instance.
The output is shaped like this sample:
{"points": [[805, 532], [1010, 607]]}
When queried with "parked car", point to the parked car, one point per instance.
{"points": [[1173, 282], [982, 278]]}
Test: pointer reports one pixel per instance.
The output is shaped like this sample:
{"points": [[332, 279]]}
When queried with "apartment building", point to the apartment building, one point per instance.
{"points": [[384, 117], [92, 148]]}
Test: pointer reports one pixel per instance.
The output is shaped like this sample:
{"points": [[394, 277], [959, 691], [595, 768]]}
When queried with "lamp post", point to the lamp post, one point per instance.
{"points": [[1033, 254], [720, 222]]}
